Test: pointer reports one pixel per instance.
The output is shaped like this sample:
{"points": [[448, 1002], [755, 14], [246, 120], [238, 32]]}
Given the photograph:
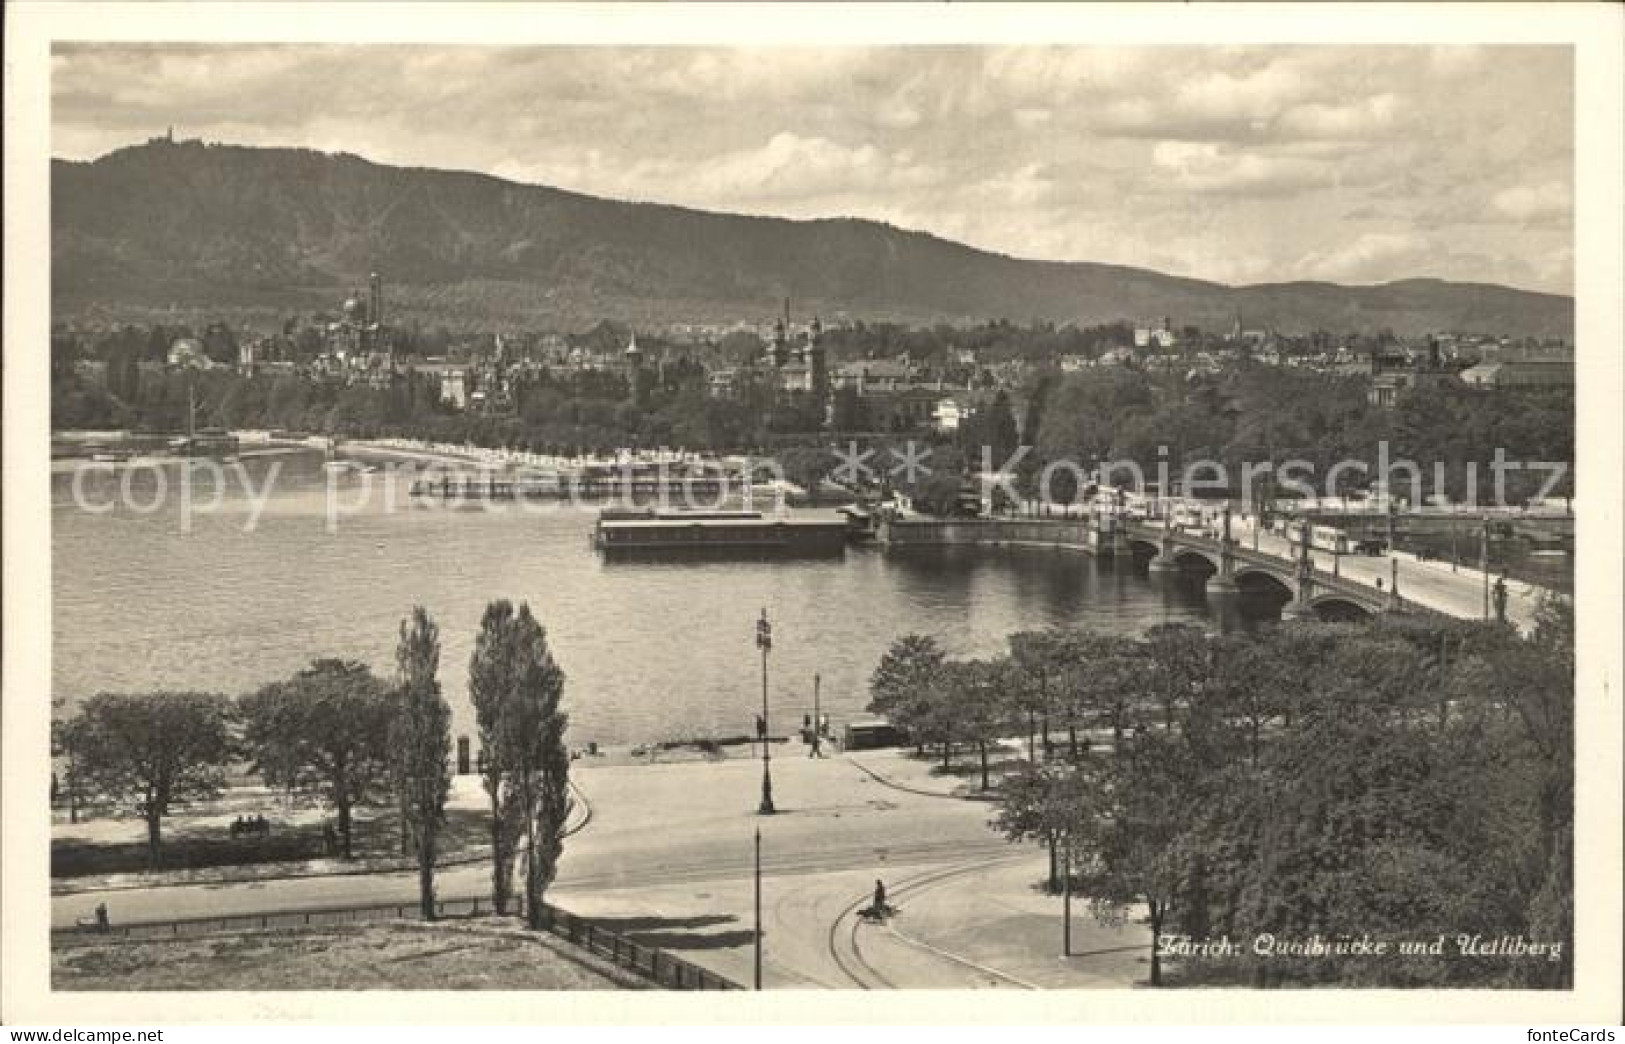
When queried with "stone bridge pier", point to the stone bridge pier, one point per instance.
{"points": [[1223, 559], [1311, 592], [1110, 538], [1302, 606]]}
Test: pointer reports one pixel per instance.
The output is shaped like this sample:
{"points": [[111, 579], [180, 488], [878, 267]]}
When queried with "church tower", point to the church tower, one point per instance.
{"points": [[778, 352], [634, 357], [817, 361]]}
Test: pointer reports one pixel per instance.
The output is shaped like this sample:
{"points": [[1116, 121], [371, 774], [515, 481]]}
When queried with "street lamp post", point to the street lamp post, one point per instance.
{"points": [[758, 933], [764, 642], [1066, 900]]}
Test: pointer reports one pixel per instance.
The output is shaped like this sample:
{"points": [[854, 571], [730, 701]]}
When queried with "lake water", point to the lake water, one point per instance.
{"points": [[652, 650]]}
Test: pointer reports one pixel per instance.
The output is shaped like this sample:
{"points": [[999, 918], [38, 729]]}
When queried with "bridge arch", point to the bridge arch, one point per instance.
{"points": [[1192, 559], [1336, 608], [1143, 547], [1257, 578]]}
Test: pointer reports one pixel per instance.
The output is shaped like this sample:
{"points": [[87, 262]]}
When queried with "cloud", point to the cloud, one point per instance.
{"points": [[1549, 201], [1369, 258], [789, 166], [1451, 62], [1029, 118], [1363, 120], [1264, 163], [1022, 187], [1216, 170]]}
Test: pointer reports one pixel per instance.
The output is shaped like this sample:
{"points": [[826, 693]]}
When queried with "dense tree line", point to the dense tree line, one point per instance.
{"points": [[1248, 414], [1263, 414], [338, 733], [1410, 779]]}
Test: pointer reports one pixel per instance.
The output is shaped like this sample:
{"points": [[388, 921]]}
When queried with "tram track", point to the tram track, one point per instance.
{"points": [[822, 860], [848, 956]]}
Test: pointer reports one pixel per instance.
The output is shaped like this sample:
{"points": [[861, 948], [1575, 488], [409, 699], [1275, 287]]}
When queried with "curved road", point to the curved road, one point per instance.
{"points": [[667, 859]]}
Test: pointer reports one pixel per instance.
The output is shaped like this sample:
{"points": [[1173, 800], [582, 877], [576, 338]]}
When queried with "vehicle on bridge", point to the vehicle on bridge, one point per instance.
{"points": [[1322, 538]]}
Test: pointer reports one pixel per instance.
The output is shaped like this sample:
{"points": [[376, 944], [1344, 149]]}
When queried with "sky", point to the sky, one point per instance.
{"points": [[1240, 165]]}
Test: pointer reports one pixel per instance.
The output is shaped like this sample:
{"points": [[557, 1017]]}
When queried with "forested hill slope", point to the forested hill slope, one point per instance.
{"points": [[222, 230]]}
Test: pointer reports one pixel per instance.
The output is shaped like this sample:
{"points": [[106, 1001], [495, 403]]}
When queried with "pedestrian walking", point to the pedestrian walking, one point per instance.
{"points": [[880, 906], [103, 923]]}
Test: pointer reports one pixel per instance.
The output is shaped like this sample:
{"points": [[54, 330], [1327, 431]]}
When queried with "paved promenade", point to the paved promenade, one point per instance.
{"points": [[667, 860]]}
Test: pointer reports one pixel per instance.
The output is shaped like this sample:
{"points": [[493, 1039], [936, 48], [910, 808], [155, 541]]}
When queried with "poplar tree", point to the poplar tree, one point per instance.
{"points": [[490, 671], [420, 744], [517, 686]]}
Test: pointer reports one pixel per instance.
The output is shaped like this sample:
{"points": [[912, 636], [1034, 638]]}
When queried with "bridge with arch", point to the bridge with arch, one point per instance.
{"points": [[1315, 582], [1313, 591]]}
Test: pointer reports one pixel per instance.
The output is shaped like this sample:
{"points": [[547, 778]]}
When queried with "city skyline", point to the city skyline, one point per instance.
{"points": [[1239, 165]]}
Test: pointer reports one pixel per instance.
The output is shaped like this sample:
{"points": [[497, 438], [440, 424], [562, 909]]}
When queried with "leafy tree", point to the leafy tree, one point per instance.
{"points": [[1038, 659], [902, 685], [975, 690], [938, 494], [67, 740], [1001, 429], [1043, 803], [154, 750], [325, 729], [1241, 694], [1135, 810], [1535, 677], [420, 745], [1178, 665], [1096, 679], [848, 411], [807, 467]]}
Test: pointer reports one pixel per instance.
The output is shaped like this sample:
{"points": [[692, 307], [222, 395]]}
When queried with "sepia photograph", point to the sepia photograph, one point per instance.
{"points": [[1056, 514]]}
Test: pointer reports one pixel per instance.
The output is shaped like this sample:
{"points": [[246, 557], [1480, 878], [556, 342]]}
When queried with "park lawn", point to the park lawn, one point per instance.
{"points": [[200, 838], [478, 954], [185, 846]]}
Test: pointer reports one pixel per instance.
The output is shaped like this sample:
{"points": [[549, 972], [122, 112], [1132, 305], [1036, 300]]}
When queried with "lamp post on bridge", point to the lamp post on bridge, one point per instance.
{"points": [[764, 642]]}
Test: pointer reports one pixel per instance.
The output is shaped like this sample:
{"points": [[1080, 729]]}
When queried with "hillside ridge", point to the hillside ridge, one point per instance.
{"points": [[245, 231]]}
